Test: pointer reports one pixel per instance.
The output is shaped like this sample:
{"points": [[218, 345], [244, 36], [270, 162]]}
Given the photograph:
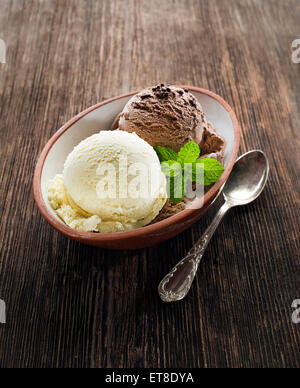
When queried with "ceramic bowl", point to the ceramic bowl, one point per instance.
{"points": [[101, 117]]}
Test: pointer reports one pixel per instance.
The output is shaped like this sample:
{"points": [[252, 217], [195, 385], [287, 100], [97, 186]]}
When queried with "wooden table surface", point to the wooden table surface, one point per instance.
{"points": [[70, 305]]}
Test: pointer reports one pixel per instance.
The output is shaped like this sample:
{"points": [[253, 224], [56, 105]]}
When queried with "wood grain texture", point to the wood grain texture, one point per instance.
{"points": [[70, 305]]}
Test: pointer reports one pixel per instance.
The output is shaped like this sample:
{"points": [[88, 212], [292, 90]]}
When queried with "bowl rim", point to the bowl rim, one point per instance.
{"points": [[145, 230]]}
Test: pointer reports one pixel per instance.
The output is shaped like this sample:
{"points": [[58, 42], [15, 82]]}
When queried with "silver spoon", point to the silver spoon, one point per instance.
{"points": [[246, 182]]}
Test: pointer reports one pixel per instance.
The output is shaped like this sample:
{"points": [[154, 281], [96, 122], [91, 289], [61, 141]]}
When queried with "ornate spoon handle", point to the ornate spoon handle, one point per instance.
{"points": [[176, 285]]}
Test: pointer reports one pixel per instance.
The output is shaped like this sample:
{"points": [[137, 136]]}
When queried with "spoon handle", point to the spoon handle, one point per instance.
{"points": [[176, 285]]}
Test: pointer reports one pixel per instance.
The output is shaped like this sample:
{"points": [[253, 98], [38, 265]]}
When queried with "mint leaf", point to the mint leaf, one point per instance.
{"points": [[165, 154], [213, 170], [189, 153], [171, 168]]}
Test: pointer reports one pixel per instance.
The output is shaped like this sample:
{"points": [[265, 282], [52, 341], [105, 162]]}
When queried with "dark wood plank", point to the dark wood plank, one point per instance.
{"points": [[70, 305]]}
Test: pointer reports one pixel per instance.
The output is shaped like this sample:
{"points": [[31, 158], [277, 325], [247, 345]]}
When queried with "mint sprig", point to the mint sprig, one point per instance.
{"points": [[171, 168], [213, 170], [189, 153], [203, 171], [165, 154]]}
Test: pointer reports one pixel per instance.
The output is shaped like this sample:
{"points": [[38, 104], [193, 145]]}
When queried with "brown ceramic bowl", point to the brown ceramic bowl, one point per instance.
{"points": [[100, 117]]}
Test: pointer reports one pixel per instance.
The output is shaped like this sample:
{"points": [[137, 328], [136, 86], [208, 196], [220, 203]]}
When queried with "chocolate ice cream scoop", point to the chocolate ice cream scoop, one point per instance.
{"points": [[164, 115]]}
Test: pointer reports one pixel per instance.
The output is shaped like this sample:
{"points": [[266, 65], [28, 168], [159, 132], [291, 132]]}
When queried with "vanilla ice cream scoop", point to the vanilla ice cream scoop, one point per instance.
{"points": [[116, 176]]}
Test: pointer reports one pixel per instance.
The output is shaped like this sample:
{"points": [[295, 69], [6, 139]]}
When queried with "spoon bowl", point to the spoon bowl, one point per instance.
{"points": [[247, 179]]}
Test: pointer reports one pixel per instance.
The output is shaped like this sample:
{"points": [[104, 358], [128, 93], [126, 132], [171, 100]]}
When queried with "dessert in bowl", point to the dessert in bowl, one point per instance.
{"points": [[161, 117]]}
